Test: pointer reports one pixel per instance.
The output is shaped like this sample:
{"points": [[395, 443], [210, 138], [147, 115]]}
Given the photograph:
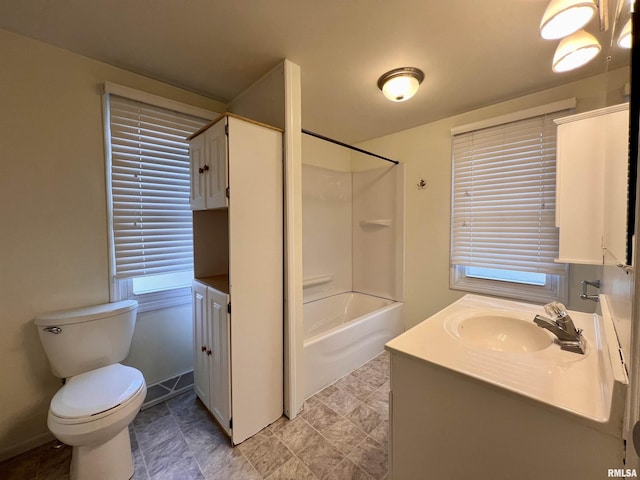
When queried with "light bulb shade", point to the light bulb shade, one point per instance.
{"points": [[564, 17], [575, 51], [399, 89], [400, 84], [624, 40]]}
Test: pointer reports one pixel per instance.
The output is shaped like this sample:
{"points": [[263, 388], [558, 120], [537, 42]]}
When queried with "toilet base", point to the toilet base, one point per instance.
{"points": [[111, 460]]}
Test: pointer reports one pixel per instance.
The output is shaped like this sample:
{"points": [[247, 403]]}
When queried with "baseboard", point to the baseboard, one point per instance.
{"points": [[26, 446]]}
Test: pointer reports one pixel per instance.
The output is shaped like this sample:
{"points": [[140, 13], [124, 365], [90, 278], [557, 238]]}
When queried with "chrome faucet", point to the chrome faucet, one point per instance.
{"points": [[561, 325]]}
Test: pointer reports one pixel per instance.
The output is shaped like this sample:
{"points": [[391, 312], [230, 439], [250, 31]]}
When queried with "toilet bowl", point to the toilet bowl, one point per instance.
{"points": [[100, 397]]}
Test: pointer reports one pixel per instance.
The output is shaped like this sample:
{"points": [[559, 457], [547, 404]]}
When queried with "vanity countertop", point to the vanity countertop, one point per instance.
{"points": [[591, 386]]}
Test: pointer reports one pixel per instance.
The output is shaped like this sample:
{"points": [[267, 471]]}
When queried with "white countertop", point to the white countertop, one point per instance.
{"points": [[590, 386]]}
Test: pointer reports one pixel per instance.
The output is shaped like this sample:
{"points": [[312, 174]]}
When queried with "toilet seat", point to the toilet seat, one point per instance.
{"points": [[95, 394]]}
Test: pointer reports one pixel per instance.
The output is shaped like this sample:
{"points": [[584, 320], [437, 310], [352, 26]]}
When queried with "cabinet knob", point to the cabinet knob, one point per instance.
{"points": [[206, 167], [203, 348], [200, 170], [209, 352]]}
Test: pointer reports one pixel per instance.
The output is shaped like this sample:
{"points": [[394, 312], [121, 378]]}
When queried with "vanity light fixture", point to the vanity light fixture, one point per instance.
{"points": [[564, 17], [400, 84], [624, 41], [575, 51]]}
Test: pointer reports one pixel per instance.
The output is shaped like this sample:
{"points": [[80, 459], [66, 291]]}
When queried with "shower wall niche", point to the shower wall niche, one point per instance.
{"points": [[353, 223]]}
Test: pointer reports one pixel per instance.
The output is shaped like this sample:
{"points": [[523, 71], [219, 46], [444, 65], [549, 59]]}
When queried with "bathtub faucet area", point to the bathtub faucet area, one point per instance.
{"points": [[561, 325]]}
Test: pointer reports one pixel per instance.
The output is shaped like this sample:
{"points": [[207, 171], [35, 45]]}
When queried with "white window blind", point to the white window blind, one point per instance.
{"points": [[152, 231], [504, 180]]}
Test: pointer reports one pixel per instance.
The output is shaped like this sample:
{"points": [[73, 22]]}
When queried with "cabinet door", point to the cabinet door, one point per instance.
{"points": [[197, 161], [579, 190], [200, 343], [215, 166], [220, 390]]}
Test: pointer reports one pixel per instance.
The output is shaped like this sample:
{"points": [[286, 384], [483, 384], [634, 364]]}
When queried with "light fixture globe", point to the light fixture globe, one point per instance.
{"points": [[624, 41], [575, 51], [564, 17], [400, 84]]}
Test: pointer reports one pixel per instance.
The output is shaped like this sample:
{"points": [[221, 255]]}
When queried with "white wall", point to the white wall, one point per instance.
{"points": [[426, 153], [53, 224], [162, 345], [264, 100]]}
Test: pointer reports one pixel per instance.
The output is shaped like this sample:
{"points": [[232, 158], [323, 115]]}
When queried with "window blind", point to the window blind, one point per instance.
{"points": [[151, 216], [504, 181]]}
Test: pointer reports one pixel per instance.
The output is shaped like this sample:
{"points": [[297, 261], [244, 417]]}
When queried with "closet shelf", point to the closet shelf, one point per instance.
{"points": [[219, 282]]}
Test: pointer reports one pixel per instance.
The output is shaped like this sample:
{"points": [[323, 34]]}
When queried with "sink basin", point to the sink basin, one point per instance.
{"points": [[502, 333]]}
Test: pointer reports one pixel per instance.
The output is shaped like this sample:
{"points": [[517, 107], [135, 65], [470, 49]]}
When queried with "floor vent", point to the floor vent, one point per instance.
{"points": [[161, 391]]}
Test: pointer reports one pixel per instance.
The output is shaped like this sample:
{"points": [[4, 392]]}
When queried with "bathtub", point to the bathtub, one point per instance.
{"points": [[343, 332]]}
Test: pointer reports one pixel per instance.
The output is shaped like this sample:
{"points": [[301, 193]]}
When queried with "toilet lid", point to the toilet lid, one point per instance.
{"points": [[96, 391]]}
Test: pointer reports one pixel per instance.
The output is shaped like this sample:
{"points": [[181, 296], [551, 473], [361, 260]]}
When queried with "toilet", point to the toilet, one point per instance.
{"points": [[100, 397]]}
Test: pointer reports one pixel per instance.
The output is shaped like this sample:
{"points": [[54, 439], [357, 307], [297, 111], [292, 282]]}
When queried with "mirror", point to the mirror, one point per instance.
{"points": [[615, 134], [620, 145], [593, 183]]}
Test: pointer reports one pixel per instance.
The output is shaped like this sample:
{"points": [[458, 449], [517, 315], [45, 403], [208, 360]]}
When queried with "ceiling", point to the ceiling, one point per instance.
{"points": [[473, 53]]}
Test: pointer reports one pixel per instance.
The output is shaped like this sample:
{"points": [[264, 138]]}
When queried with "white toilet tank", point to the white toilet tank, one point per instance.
{"points": [[87, 338]]}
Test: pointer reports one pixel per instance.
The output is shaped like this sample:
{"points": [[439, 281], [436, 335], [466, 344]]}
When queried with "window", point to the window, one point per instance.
{"points": [[148, 189], [503, 234]]}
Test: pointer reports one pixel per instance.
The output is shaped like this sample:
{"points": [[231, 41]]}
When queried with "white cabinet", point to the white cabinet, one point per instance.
{"points": [[238, 285], [591, 185], [211, 342], [208, 156]]}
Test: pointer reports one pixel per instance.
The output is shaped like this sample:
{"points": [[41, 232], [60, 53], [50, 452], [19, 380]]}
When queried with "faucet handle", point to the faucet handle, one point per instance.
{"points": [[585, 285], [555, 310]]}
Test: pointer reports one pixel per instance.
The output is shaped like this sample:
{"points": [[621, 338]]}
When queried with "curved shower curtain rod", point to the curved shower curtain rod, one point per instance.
{"points": [[338, 142]]}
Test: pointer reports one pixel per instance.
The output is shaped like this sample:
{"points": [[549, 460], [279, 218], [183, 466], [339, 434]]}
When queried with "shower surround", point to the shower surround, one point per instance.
{"points": [[353, 259]]}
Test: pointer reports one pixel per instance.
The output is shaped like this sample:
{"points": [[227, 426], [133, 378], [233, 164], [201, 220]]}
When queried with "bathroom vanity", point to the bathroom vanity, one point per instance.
{"points": [[479, 391]]}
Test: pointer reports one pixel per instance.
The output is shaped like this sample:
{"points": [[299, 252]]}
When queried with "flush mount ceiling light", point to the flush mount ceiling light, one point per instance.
{"points": [[400, 84], [574, 51], [624, 41], [564, 17]]}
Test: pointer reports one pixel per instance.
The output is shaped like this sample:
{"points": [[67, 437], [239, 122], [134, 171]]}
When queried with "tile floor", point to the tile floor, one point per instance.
{"points": [[341, 434]]}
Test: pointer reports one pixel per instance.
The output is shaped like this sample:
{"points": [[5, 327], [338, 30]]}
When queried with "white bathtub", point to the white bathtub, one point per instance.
{"points": [[343, 332]]}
